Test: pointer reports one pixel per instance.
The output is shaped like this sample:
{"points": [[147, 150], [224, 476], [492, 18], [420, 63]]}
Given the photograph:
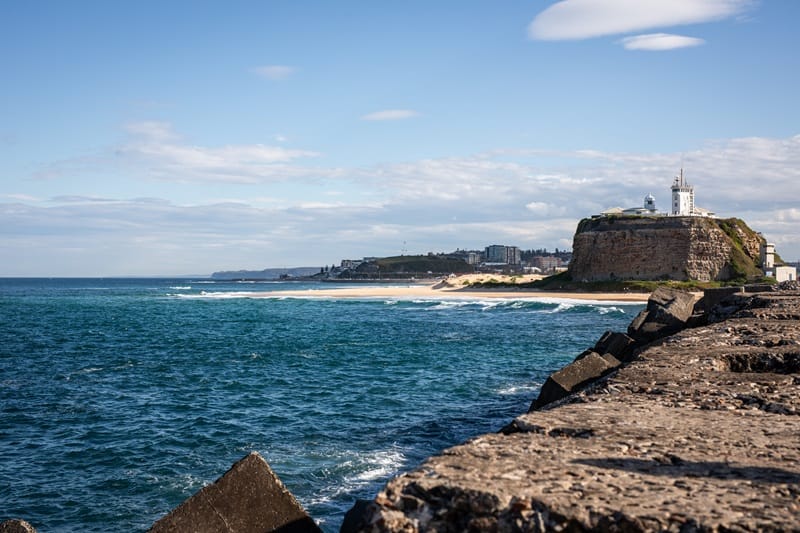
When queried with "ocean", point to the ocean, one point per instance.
{"points": [[120, 398]]}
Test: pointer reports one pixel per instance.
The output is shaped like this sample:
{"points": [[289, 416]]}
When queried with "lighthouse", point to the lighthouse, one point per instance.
{"points": [[682, 197]]}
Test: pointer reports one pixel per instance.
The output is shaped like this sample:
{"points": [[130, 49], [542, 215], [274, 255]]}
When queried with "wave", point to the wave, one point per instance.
{"points": [[432, 304], [358, 472], [514, 390], [226, 295]]}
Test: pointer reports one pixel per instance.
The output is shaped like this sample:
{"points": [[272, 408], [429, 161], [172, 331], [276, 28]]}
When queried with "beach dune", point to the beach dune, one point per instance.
{"points": [[457, 287]]}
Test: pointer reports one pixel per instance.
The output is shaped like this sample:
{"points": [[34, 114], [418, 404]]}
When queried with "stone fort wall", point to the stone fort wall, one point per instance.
{"points": [[655, 248]]}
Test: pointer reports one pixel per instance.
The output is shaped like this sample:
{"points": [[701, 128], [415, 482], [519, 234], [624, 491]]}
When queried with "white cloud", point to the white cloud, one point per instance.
{"points": [[545, 209], [21, 197], [391, 114], [274, 72], [660, 41], [152, 130], [583, 19], [156, 147]]}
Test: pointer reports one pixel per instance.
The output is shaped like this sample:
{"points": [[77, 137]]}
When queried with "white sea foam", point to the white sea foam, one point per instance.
{"points": [[366, 469], [380, 465], [612, 309], [181, 288], [513, 390], [222, 295]]}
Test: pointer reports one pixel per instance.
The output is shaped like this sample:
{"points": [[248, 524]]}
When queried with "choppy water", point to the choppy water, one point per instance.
{"points": [[119, 398]]}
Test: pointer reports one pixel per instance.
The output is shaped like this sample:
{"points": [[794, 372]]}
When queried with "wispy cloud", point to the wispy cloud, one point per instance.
{"points": [[584, 19], [155, 146], [660, 41], [155, 150], [274, 72], [21, 197], [391, 114]]}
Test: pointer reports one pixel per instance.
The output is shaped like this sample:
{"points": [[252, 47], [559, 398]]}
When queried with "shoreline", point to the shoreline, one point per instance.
{"points": [[437, 291], [457, 288]]}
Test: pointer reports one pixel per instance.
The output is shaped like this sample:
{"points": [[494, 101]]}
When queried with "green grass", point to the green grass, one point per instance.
{"points": [[744, 268], [416, 264], [563, 282]]}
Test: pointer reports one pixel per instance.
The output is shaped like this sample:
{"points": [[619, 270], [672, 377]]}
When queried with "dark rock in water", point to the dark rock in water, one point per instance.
{"points": [[573, 377], [356, 518], [249, 498], [667, 312], [16, 526]]}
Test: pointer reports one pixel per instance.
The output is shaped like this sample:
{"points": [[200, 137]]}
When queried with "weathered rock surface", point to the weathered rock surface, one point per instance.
{"points": [[700, 432], [655, 248], [617, 344], [16, 526], [573, 377], [249, 498], [666, 313]]}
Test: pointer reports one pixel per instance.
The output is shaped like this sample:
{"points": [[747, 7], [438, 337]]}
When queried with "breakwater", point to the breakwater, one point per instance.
{"points": [[697, 432]]}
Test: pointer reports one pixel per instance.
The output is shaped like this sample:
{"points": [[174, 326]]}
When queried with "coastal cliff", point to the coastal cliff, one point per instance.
{"points": [[664, 248], [698, 432]]}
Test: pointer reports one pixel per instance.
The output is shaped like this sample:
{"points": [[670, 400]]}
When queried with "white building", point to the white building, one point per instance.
{"points": [[682, 197], [682, 204], [785, 273], [779, 272], [683, 200], [767, 253]]}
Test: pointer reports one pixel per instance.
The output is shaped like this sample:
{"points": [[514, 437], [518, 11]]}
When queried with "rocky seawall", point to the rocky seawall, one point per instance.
{"points": [[656, 248], [698, 430]]}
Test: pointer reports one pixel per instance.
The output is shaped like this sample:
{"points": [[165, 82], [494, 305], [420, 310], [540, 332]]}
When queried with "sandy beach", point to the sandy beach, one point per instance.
{"points": [[453, 288]]}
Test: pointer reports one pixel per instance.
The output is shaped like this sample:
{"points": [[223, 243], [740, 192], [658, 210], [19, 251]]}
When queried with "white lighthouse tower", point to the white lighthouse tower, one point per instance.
{"points": [[682, 197]]}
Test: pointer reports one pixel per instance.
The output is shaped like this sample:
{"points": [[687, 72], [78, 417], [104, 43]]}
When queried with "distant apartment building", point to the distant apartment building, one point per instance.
{"points": [[498, 253], [473, 258], [547, 263]]}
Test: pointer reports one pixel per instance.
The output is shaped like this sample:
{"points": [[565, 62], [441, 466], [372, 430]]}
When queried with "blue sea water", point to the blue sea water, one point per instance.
{"points": [[120, 398]]}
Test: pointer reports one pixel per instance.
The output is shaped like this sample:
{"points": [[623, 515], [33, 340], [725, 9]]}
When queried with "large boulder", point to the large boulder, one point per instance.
{"points": [[666, 313], [249, 498], [574, 377]]}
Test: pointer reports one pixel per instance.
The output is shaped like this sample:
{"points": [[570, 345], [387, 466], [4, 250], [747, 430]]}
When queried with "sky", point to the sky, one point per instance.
{"points": [[187, 137]]}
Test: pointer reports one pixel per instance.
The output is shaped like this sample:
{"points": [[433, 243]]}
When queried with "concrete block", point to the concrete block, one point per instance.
{"points": [[249, 498], [572, 378]]}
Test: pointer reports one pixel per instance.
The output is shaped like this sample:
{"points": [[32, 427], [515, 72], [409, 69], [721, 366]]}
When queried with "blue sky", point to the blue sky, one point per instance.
{"points": [[164, 138]]}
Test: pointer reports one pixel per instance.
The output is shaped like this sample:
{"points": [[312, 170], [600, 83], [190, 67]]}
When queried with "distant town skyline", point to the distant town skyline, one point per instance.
{"points": [[173, 138]]}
